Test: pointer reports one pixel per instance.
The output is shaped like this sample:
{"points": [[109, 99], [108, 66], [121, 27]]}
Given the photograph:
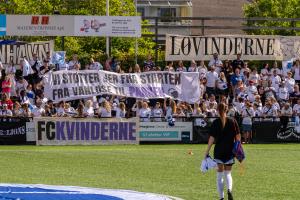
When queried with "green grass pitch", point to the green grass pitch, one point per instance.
{"points": [[272, 172]]}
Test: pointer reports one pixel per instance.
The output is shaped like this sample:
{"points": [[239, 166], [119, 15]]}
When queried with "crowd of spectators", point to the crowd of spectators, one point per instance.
{"points": [[249, 91]]}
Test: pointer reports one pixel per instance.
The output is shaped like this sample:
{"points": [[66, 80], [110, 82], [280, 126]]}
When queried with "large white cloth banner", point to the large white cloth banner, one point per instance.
{"points": [[16, 52], [71, 85], [252, 47]]}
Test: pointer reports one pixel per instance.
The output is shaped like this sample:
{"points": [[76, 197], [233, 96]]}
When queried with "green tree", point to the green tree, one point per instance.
{"points": [[273, 9], [122, 48]]}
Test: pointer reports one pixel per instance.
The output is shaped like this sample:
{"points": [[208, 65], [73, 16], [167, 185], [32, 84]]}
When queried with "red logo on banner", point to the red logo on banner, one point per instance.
{"points": [[35, 20]]}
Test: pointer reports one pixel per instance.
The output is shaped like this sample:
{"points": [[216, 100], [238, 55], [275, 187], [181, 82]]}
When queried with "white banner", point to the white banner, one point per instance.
{"points": [[252, 47], [68, 25], [86, 131], [70, 85], [161, 131], [113, 26], [17, 52], [40, 25]]}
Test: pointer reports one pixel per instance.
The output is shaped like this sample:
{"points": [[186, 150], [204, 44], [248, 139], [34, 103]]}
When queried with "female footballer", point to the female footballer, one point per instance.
{"points": [[224, 132]]}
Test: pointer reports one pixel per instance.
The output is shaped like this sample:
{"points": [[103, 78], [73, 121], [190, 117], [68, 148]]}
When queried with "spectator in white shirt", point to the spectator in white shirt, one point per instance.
{"points": [[296, 108], [157, 112], [105, 109], [38, 111], [5, 112], [61, 109], [275, 81], [10, 69], [285, 113], [275, 68], [95, 65], [202, 69], [212, 78], [193, 67], [121, 110], [290, 82], [215, 61], [296, 71], [73, 62], [283, 93], [145, 113], [89, 109], [181, 67], [254, 76], [247, 114]]}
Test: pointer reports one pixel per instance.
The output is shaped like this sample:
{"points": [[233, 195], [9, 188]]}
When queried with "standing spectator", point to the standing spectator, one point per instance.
{"points": [[296, 70], [26, 112], [269, 110], [290, 82], [202, 69], [145, 112], [170, 107], [89, 109], [169, 67], [137, 107], [222, 85], [30, 94], [121, 110], [285, 113], [149, 64], [181, 67], [238, 62], [6, 85], [61, 109], [193, 67], [275, 68], [26, 69], [157, 112], [212, 78], [73, 62], [10, 69], [95, 65], [23, 98], [137, 69], [247, 114], [254, 77], [215, 61], [251, 91], [105, 109], [235, 79], [283, 93], [296, 108], [275, 80]]}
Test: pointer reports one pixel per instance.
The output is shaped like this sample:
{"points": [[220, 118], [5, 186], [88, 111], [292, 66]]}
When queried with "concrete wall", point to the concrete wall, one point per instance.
{"points": [[222, 8]]}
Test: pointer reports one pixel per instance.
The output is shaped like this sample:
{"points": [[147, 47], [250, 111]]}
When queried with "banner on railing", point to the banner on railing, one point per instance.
{"points": [[70, 85], [252, 47], [161, 132], [12, 132], [86, 131], [16, 52]]}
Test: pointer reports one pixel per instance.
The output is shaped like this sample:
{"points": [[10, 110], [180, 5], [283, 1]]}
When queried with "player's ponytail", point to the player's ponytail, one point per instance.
{"points": [[222, 109]]}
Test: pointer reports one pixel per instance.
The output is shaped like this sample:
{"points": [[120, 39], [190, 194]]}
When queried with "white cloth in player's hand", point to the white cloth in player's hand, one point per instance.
{"points": [[207, 163]]}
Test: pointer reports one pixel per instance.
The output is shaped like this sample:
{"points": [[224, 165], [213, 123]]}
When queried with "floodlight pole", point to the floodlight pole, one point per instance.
{"points": [[107, 38]]}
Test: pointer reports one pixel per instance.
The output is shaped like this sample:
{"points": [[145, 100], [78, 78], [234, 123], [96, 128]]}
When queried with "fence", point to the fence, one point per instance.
{"points": [[14, 130]]}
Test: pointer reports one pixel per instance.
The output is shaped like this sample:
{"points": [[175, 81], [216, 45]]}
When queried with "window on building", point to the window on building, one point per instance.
{"points": [[141, 10], [167, 12]]}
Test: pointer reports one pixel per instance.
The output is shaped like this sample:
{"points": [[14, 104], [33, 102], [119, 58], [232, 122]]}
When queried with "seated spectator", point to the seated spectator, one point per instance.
{"points": [[23, 98], [26, 112], [17, 111], [6, 100], [38, 111], [61, 109], [5, 112]]}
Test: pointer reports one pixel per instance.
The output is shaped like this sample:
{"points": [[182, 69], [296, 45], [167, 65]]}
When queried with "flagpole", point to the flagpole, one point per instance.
{"points": [[107, 38]]}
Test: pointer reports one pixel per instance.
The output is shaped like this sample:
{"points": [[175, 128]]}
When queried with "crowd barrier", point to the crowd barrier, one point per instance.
{"points": [[98, 131]]}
